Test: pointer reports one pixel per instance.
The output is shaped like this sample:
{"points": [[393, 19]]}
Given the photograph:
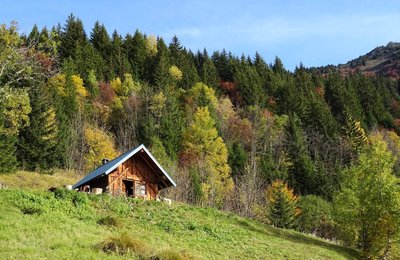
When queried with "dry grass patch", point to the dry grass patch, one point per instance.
{"points": [[110, 221], [37, 181], [124, 244]]}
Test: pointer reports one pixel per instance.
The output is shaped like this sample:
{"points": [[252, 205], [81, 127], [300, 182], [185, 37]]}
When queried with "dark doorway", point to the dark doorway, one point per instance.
{"points": [[128, 187]]}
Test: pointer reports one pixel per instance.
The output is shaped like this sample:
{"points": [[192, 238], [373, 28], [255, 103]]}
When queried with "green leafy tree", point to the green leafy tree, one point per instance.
{"points": [[205, 152], [315, 216], [367, 208], [14, 116], [93, 85], [200, 95]]}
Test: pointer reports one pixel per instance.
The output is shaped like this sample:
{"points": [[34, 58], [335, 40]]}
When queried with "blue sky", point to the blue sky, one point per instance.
{"points": [[313, 32]]}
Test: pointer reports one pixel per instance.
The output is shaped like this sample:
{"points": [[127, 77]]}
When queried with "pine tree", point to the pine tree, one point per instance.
{"points": [[135, 47], [355, 133], [175, 48], [282, 205], [119, 64], [223, 65], [33, 37], [38, 143], [73, 36], [172, 124], [161, 67], [100, 40], [302, 173], [342, 98], [206, 69], [249, 83]]}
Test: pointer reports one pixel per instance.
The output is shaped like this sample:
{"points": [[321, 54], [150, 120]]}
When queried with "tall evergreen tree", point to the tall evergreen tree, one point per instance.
{"points": [[73, 37], [282, 210], [38, 143], [119, 64], [302, 173], [135, 46], [100, 40]]}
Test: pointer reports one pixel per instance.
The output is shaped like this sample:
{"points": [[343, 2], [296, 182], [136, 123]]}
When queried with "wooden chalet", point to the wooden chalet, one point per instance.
{"points": [[135, 173]]}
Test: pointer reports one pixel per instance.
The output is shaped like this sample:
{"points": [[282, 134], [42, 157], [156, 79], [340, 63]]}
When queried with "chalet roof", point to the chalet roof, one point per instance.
{"points": [[107, 168]]}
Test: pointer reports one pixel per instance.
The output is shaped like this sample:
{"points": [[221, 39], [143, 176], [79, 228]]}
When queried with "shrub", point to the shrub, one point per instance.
{"points": [[110, 221], [77, 198], [124, 244], [61, 193], [316, 216], [32, 210]]}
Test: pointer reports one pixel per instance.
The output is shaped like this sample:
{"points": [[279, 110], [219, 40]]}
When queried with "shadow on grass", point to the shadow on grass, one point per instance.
{"points": [[296, 237]]}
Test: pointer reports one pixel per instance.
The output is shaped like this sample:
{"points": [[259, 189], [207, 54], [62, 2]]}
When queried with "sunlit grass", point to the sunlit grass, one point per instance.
{"points": [[36, 181], [70, 225]]}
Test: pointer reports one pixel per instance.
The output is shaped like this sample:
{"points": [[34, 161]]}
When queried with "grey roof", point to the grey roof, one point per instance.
{"points": [[107, 168]]}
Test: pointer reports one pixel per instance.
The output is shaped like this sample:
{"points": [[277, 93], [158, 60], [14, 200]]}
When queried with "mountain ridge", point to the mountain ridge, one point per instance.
{"points": [[382, 60]]}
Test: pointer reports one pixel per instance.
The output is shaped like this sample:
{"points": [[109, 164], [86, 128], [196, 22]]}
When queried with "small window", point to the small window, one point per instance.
{"points": [[140, 189]]}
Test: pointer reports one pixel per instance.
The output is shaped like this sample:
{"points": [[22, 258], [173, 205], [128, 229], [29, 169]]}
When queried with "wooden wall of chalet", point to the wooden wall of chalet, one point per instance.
{"points": [[135, 169]]}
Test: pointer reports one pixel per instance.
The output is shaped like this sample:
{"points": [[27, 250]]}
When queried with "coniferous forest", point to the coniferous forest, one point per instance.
{"points": [[311, 149]]}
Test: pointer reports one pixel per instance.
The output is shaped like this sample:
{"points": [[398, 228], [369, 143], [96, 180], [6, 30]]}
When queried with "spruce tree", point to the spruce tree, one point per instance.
{"points": [[38, 143], [100, 40], [73, 36], [302, 173], [282, 205]]}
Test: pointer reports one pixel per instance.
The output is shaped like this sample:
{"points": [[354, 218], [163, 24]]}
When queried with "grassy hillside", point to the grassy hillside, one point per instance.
{"points": [[67, 224], [36, 181]]}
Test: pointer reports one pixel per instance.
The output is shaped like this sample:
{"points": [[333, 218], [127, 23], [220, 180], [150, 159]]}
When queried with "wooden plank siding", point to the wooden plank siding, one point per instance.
{"points": [[137, 170]]}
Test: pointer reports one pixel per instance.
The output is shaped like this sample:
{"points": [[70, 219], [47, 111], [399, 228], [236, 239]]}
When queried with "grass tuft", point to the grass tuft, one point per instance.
{"points": [[124, 244], [110, 221], [32, 211]]}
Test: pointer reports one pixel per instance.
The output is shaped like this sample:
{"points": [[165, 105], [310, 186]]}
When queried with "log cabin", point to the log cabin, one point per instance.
{"points": [[135, 173]]}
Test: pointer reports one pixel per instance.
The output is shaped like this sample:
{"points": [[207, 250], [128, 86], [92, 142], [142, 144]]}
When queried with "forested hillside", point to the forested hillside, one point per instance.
{"points": [[236, 133]]}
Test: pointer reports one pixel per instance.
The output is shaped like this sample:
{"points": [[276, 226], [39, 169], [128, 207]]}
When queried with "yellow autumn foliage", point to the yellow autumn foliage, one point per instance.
{"points": [[175, 73], [201, 93], [100, 145], [116, 84], [151, 45], [78, 84], [209, 155], [57, 82]]}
